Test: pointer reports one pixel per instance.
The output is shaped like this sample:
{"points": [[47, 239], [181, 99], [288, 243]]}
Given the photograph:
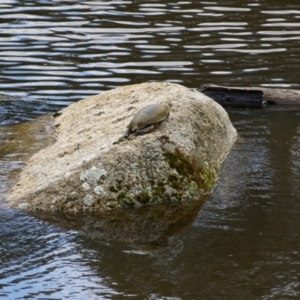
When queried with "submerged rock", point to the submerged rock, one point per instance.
{"points": [[84, 171]]}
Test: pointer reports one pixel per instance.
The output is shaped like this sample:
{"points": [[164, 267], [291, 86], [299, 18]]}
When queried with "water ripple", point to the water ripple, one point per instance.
{"points": [[52, 266], [281, 12], [126, 38], [227, 9]]}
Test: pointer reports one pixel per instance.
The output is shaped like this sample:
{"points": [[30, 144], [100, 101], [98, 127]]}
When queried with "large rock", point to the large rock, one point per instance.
{"points": [[84, 171]]}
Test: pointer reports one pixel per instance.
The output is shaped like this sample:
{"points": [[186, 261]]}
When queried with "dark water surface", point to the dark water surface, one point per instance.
{"points": [[244, 243]]}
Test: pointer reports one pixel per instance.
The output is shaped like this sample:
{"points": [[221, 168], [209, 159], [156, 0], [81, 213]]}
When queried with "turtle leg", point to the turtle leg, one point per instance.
{"points": [[150, 127], [126, 134], [146, 129]]}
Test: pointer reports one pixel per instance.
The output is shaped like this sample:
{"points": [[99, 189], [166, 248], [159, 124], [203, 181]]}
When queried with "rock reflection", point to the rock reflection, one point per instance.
{"points": [[147, 228]]}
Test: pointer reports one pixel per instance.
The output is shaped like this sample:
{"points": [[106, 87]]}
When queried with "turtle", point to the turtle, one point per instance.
{"points": [[147, 119]]}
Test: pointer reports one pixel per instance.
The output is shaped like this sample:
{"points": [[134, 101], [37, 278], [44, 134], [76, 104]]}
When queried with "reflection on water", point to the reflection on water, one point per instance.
{"points": [[17, 143], [244, 243], [148, 227]]}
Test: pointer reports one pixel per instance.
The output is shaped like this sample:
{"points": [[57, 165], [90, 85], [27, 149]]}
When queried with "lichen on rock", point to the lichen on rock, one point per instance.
{"points": [[93, 175], [88, 200]]}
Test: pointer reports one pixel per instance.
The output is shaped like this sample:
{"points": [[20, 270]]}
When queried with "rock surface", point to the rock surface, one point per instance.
{"points": [[84, 171]]}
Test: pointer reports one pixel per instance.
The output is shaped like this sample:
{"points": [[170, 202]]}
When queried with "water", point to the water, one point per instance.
{"points": [[61, 51], [244, 242]]}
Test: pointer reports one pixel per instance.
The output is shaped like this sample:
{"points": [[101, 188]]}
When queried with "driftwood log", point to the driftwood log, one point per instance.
{"points": [[250, 97]]}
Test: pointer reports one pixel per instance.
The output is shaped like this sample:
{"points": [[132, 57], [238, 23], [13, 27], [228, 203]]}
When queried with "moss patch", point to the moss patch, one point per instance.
{"points": [[143, 198], [122, 195], [188, 168], [113, 189]]}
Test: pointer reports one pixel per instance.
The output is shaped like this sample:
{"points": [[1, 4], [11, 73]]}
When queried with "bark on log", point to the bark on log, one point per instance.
{"points": [[250, 97]]}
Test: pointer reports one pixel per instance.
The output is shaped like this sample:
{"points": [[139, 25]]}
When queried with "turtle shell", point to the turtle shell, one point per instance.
{"points": [[149, 115]]}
